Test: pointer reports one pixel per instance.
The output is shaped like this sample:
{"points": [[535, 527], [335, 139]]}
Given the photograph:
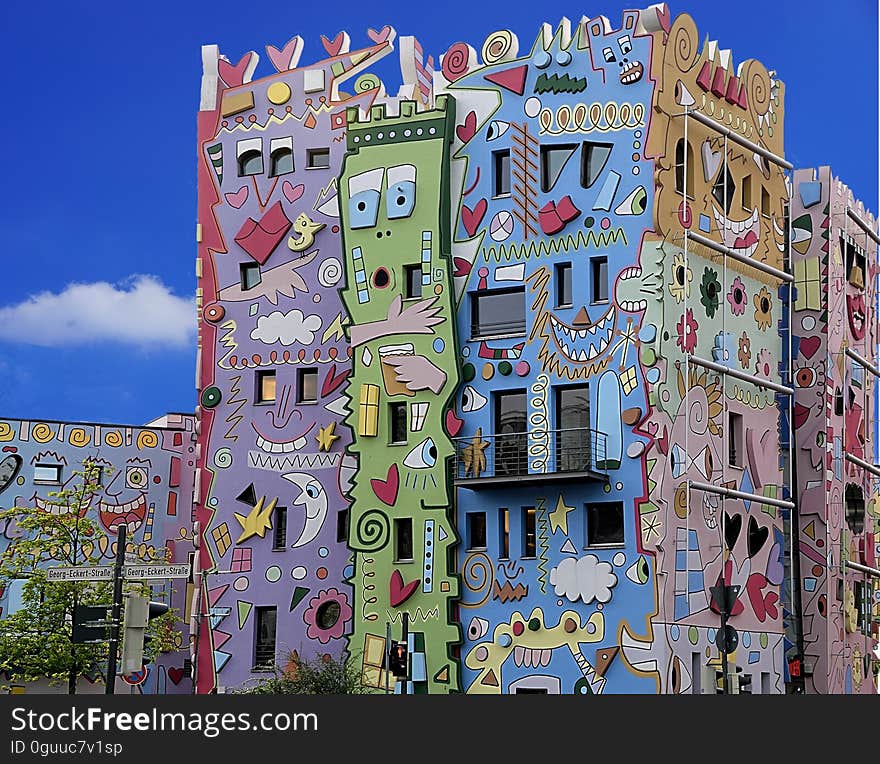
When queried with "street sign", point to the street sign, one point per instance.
{"points": [[81, 573], [727, 639], [148, 572]]}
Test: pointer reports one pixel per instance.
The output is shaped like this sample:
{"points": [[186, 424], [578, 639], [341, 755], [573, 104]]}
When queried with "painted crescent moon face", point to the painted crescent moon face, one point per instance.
{"points": [[313, 497]]}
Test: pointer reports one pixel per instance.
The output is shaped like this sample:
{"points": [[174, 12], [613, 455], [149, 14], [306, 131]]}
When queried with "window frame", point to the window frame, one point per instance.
{"points": [[497, 174], [504, 331], [260, 376], [470, 531], [684, 182], [503, 533], [408, 272], [590, 505], [560, 269], [311, 154], [57, 480], [735, 440], [300, 376], [394, 409], [399, 524], [279, 524], [261, 612], [543, 165], [529, 517], [595, 261]]}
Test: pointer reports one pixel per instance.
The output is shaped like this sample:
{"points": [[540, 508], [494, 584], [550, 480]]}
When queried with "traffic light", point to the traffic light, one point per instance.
{"points": [[745, 682], [397, 659], [139, 611], [90, 624]]}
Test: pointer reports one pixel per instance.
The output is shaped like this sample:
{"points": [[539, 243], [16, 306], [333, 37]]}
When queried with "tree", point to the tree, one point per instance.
{"points": [[323, 675], [37, 640]]}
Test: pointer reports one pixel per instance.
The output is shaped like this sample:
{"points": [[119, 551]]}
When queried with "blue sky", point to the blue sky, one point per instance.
{"points": [[96, 315]]}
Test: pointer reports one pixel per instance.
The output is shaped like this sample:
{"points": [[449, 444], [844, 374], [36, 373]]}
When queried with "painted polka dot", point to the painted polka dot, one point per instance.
{"points": [[323, 551], [808, 323], [505, 368], [747, 638], [607, 488], [674, 632], [504, 640], [465, 352], [606, 223], [439, 345], [693, 635], [532, 106], [298, 573], [518, 628], [522, 368], [619, 559], [321, 573], [278, 92], [638, 133], [468, 372], [481, 653], [636, 170], [763, 639], [241, 584], [488, 371], [19, 480], [635, 157], [591, 627], [273, 574], [619, 486], [213, 501]]}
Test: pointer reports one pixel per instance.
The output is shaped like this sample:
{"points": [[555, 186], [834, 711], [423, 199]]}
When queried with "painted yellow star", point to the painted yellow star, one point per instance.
{"points": [[325, 437], [258, 520], [474, 456], [559, 516]]}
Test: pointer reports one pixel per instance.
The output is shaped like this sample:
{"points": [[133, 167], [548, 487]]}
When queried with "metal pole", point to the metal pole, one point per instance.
{"points": [[116, 612], [387, 657], [725, 683], [404, 687]]}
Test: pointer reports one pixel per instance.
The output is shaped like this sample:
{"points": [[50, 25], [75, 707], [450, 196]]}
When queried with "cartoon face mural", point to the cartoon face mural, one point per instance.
{"points": [[394, 203], [145, 481]]}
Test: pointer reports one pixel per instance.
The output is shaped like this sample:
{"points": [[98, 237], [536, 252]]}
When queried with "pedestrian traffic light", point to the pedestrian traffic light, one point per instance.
{"points": [[397, 659], [90, 624], [139, 611]]}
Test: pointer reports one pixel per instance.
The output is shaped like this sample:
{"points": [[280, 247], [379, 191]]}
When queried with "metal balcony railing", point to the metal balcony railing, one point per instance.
{"points": [[540, 454]]}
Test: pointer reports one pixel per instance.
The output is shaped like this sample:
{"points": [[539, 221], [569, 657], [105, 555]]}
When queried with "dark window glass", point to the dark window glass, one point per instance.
{"points": [[307, 386], [317, 158], [279, 539], [250, 163], [553, 161], [477, 530], [573, 443], [501, 173], [724, 189], [413, 277], [680, 165], [735, 439], [765, 202], [594, 157], [510, 433], [397, 412], [250, 275], [281, 161], [563, 285], [504, 533], [599, 274], [499, 311], [264, 648], [605, 524], [529, 532], [403, 539], [342, 525], [855, 508]]}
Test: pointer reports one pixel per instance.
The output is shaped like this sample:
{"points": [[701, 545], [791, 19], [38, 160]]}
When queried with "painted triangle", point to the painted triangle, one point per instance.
{"points": [[248, 496], [244, 610], [442, 536], [216, 593], [810, 529], [513, 80], [442, 675], [568, 547], [221, 638], [221, 659], [299, 594], [490, 680]]}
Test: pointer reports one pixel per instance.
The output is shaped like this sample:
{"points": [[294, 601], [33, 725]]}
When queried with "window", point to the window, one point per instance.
{"points": [[279, 535], [510, 433], [412, 278], [734, 439], [724, 189], [265, 387], [501, 173], [317, 159], [529, 532], [498, 311], [765, 202], [563, 285], [397, 418], [594, 157], [531, 691], [573, 452], [838, 402], [403, 539], [746, 193], [250, 156], [553, 161], [504, 533], [281, 156], [599, 275], [680, 165], [342, 525], [855, 508], [605, 524], [696, 673], [264, 648], [476, 530], [855, 263], [250, 276], [47, 474], [307, 386]]}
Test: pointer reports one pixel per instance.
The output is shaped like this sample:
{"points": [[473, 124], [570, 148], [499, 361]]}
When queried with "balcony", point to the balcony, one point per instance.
{"points": [[541, 455]]}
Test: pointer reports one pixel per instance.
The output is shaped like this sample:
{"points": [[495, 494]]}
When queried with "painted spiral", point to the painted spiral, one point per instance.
{"points": [[372, 531], [78, 437], [758, 88], [42, 433], [478, 577], [113, 439], [499, 46], [6, 432], [367, 82], [147, 439], [685, 43], [330, 272], [457, 61], [223, 458]]}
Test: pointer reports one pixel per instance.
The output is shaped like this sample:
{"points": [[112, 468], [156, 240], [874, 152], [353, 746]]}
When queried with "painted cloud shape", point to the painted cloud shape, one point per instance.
{"points": [[585, 578], [286, 328]]}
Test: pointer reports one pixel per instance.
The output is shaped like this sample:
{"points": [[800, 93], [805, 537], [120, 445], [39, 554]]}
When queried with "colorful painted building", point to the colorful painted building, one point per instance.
{"points": [[146, 481], [834, 245]]}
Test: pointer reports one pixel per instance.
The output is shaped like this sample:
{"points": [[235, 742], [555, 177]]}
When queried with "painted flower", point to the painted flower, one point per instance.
{"points": [[745, 351], [687, 332], [764, 363], [710, 288], [681, 278], [326, 615], [737, 297], [763, 309]]}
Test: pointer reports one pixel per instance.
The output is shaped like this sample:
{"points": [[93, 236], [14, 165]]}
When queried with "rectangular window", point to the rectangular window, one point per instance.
{"points": [[747, 193], [403, 539], [599, 276], [734, 439], [529, 529], [563, 285], [265, 387], [307, 386], [855, 263], [476, 530], [605, 524], [511, 440], [553, 161], [250, 275], [412, 277], [317, 159], [498, 311], [397, 418], [264, 647], [504, 534], [279, 534], [47, 473], [765, 202], [766, 685], [342, 526], [501, 173], [573, 452], [696, 673]]}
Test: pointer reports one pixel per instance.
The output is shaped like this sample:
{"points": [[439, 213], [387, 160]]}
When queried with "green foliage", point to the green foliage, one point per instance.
{"points": [[319, 676]]}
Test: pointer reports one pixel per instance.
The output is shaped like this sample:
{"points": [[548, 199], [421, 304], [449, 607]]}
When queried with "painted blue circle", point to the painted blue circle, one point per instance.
{"points": [[213, 501], [711, 635], [504, 640], [323, 551], [653, 375], [648, 333], [542, 59], [348, 571], [563, 58], [465, 352], [747, 638], [674, 632], [439, 345]]}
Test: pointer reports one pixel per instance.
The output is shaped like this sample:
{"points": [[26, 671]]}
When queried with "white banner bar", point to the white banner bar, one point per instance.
{"points": [[81, 573], [149, 572]]}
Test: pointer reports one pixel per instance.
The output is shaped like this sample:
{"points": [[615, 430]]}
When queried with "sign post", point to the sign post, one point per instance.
{"points": [[116, 615]]}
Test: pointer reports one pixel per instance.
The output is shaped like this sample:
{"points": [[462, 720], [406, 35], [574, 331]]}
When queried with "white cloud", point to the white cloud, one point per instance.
{"points": [[141, 311], [586, 579], [286, 328]]}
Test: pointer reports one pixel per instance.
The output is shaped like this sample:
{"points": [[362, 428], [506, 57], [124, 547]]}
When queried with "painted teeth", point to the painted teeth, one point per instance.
{"points": [[634, 307], [280, 448], [524, 656], [631, 273], [119, 509]]}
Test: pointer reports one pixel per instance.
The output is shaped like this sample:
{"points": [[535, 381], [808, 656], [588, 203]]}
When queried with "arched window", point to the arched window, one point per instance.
{"points": [[250, 163], [280, 156], [680, 167]]}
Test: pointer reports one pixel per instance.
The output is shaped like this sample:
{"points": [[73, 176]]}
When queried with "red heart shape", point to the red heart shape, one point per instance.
{"points": [[755, 586], [809, 345], [381, 36], [236, 75], [333, 380], [453, 423], [337, 45], [176, 674], [471, 218], [462, 266], [386, 490], [400, 593], [288, 57], [467, 131]]}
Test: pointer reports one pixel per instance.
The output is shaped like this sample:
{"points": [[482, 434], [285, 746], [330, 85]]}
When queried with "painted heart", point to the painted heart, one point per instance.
{"points": [[732, 527], [762, 604], [288, 57], [386, 490], [176, 674], [291, 192], [381, 36], [242, 72], [757, 537], [467, 130], [471, 218], [809, 345], [238, 198], [400, 593], [453, 423], [337, 45], [775, 568], [711, 160], [333, 380], [462, 266]]}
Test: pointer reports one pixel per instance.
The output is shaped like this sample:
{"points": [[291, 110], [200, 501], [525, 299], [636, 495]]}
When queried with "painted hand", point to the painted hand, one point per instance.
{"points": [[417, 373], [416, 319]]}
